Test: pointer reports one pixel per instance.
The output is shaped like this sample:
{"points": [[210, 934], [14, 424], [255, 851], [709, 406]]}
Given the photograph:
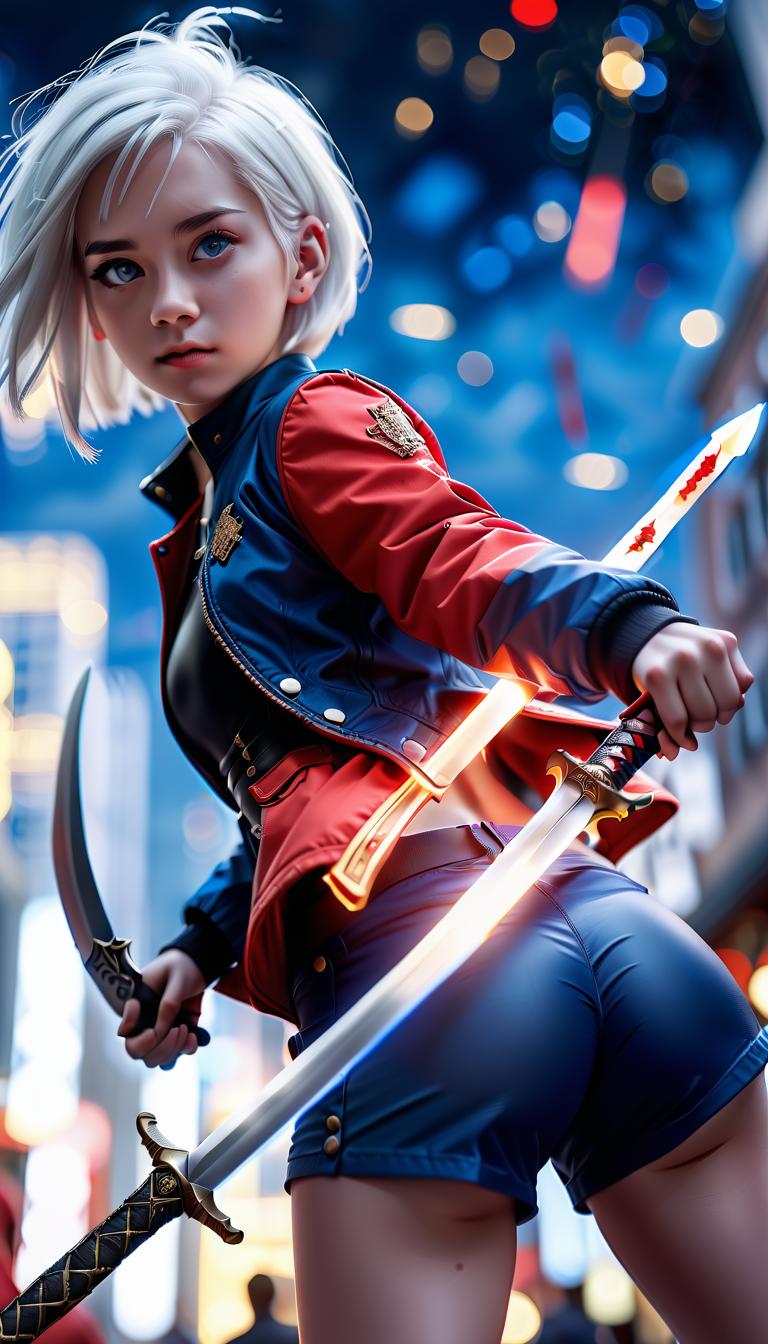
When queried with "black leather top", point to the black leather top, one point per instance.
{"points": [[209, 696]]}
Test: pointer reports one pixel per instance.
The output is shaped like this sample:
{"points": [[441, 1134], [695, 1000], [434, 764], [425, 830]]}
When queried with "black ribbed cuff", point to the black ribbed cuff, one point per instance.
{"points": [[619, 635], [208, 947]]}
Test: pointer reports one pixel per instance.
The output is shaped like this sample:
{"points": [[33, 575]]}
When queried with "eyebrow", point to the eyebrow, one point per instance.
{"points": [[184, 226]]}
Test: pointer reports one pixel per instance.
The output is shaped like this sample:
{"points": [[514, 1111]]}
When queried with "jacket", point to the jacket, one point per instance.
{"points": [[360, 587]]}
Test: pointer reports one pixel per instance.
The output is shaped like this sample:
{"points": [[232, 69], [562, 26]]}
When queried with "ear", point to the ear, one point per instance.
{"points": [[314, 255]]}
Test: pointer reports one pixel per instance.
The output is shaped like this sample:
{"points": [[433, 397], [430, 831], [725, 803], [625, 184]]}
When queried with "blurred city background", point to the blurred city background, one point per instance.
{"points": [[569, 208]]}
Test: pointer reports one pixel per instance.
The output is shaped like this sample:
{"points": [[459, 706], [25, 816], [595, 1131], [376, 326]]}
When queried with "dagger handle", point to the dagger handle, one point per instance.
{"points": [[149, 1004], [631, 744], [75, 1274]]}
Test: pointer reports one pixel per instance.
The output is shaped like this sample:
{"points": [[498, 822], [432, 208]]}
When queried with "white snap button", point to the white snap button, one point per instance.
{"points": [[414, 750], [334, 715], [290, 686]]}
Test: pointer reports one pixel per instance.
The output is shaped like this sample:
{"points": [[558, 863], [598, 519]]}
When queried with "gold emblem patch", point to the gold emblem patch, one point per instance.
{"points": [[229, 531], [394, 429]]}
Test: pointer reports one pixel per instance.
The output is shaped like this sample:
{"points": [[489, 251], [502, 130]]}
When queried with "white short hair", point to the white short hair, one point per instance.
{"points": [[181, 83]]}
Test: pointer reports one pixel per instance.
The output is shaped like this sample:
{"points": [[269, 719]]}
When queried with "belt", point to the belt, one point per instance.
{"points": [[315, 918]]}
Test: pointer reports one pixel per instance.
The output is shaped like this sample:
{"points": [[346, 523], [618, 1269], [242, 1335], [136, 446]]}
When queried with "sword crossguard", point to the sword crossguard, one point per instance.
{"points": [[197, 1200], [596, 783]]}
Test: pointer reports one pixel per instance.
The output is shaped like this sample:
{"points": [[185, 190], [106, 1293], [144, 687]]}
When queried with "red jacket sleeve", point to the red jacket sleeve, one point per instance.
{"points": [[367, 484]]}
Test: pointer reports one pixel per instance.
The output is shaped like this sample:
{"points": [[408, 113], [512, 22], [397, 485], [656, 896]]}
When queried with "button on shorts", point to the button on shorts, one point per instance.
{"points": [[592, 1027]]}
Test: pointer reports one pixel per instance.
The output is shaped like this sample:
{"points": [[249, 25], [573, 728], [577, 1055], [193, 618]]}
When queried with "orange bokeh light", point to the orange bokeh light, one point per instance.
{"points": [[738, 964]]}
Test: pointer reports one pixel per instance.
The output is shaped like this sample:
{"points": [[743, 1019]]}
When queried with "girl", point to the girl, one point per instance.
{"points": [[179, 227]]}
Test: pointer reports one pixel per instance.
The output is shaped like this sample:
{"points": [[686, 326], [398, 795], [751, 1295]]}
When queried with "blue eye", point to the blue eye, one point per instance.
{"points": [[102, 273], [118, 278], [216, 239]]}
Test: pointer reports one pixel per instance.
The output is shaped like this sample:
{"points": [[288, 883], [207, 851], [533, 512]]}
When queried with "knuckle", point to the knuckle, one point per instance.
{"points": [[716, 647], [685, 660], [655, 676]]}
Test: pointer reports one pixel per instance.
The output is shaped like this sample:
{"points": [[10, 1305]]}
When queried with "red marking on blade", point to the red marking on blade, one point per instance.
{"points": [[644, 537], [704, 469]]}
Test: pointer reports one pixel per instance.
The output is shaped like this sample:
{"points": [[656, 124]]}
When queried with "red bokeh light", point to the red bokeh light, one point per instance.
{"points": [[534, 13], [594, 241], [738, 964]]}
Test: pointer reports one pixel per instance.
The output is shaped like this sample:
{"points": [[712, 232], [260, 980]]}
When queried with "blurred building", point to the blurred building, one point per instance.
{"points": [[732, 552]]}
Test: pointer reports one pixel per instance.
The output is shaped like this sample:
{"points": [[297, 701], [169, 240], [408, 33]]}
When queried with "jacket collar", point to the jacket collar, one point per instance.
{"points": [[173, 485]]}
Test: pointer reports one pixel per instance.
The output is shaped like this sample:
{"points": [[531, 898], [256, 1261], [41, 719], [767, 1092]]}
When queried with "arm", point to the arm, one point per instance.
{"points": [[214, 939], [216, 917], [449, 570]]}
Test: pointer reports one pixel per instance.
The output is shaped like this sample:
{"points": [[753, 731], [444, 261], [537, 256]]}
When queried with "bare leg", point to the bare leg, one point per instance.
{"points": [[417, 1261], [690, 1228]]}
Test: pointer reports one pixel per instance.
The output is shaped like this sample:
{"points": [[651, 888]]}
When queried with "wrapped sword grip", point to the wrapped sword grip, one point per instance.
{"points": [[157, 1202], [630, 745]]}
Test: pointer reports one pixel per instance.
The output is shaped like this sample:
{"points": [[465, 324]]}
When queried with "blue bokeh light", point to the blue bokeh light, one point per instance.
{"points": [[572, 125], [488, 268], [438, 194], [515, 234], [652, 91]]}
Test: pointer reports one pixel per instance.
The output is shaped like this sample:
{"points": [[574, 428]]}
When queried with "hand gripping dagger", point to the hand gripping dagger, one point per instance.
{"points": [[585, 792]]}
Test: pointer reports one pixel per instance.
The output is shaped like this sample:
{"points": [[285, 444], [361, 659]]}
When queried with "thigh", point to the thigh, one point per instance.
{"points": [[481, 1081], [703, 1203], [678, 1038], [417, 1261]]}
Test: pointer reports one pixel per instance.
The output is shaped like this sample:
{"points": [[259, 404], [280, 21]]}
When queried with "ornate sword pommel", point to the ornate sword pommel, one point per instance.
{"points": [[197, 1200]]}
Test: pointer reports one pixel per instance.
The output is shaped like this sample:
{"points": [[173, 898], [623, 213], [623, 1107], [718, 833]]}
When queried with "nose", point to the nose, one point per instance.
{"points": [[173, 301]]}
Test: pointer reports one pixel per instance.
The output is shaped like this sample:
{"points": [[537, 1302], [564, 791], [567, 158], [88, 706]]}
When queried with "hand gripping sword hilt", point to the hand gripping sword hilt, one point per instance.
{"points": [[166, 1194], [622, 753]]}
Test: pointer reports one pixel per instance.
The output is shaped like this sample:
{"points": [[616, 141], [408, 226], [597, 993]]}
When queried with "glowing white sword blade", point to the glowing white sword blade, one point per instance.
{"points": [[460, 933]]}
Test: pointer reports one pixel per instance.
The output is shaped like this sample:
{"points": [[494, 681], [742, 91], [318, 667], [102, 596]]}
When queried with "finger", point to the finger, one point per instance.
{"points": [[130, 1017], [167, 1049], [170, 1007], [668, 749], [743, 675], [670, 707], [139, 1046], [700, 704], [721, 677]]}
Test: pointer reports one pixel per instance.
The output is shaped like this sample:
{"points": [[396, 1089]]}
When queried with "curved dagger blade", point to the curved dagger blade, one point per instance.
{"points": [[80, 897]]}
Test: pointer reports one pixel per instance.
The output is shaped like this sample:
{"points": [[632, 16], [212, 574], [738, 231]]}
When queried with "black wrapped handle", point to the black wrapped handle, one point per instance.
{"points": [[157, 1202], [631, 745]]}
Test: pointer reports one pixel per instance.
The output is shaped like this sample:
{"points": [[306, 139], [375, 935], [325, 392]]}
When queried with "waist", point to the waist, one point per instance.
{"points": [[314, 915]]}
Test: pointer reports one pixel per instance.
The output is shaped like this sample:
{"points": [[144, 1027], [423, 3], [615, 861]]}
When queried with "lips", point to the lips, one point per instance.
{"points": [[185, 353]]}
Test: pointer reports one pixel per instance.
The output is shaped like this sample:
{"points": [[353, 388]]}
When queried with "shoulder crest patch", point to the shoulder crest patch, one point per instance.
{"points": [[394, 429]]}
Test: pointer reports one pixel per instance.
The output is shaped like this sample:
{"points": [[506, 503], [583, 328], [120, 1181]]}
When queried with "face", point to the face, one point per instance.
{"points": [[201, 269]]}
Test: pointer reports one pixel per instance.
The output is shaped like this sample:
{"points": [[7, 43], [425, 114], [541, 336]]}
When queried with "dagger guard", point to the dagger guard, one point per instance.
{"points": [[112, 968], [197, 1200]]}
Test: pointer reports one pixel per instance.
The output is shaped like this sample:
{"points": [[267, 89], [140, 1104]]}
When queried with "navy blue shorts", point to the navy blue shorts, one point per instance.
{"points": [[593, 1027]]}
